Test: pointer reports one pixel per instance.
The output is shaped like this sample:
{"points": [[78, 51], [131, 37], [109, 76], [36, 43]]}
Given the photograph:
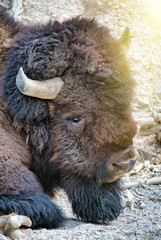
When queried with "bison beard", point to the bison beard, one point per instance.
{"points": [[92, 203], [80, 141]]}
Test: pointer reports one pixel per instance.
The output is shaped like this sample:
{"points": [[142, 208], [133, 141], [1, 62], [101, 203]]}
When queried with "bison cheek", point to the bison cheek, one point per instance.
{"points": [[93, 203]]}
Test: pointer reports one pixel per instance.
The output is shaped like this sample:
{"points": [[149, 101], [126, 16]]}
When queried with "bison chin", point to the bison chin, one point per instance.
{"points": [[94, 203]]}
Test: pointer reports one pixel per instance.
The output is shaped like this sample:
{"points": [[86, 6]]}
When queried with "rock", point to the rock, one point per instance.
{"points": [[145, 122]]}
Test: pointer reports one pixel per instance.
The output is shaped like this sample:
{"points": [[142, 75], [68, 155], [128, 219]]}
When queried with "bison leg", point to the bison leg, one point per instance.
{"points": [[10, 224], [38, 207], [20, 190]]}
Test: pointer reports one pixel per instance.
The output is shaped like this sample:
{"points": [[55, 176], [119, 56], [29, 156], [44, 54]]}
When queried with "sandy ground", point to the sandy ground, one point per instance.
{"points": [[143, 222], [141, 218]]}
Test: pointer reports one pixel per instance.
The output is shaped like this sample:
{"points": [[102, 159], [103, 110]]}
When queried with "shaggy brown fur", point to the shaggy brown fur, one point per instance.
{"points": [[68, 142]]}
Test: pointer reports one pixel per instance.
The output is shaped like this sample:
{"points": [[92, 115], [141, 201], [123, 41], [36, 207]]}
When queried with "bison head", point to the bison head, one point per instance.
{"points": [[81, 133]]}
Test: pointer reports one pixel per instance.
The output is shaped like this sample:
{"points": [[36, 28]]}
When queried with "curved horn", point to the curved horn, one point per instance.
{"points": [[45, 89], [126, 37]]}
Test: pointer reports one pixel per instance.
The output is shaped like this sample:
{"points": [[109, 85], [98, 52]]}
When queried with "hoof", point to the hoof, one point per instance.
{"points": [[10, 227]]}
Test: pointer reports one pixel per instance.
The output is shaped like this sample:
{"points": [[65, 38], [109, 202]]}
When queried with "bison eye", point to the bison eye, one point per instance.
{"points": [[76, 120], [75, 124]]}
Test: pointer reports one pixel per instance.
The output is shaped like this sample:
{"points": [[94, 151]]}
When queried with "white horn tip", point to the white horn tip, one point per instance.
{"points": [[19, 82]]}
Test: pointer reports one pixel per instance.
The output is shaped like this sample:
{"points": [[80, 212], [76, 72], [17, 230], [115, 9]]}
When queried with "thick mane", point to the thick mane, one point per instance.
{"points": [[77, 47]]}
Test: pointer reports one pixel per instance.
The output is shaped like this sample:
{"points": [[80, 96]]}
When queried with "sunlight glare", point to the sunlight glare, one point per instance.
{"points": [[153, 13]]}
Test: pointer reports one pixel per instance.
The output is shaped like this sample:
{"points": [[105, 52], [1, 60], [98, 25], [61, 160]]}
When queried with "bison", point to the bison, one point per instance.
{"points": [[65, 120]]}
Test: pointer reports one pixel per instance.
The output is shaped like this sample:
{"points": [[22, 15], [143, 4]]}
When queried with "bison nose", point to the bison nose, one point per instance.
{"points": [[119, 164], [124, 159]]}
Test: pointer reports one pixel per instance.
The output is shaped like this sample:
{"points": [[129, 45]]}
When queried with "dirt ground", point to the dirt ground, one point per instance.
{"points": [[141, 218]]}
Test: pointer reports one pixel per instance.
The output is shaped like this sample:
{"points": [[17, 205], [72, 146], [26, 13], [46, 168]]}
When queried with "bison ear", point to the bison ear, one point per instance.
{"points": [[125, 39]]}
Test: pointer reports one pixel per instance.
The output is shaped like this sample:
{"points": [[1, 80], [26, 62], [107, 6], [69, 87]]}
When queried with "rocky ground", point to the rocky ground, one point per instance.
{"points": [[141, 218]]}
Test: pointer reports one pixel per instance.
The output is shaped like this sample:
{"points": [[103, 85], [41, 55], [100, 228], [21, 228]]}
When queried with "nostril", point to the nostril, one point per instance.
{"points": [[126, 167], [119, 169], [119, 165]]}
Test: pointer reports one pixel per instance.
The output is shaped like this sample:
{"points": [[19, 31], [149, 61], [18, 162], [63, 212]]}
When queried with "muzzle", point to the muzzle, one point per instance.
{"points": [[118, 164]]}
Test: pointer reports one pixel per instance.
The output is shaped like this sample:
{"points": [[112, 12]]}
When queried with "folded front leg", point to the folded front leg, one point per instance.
{"points": [[21, 192]]}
